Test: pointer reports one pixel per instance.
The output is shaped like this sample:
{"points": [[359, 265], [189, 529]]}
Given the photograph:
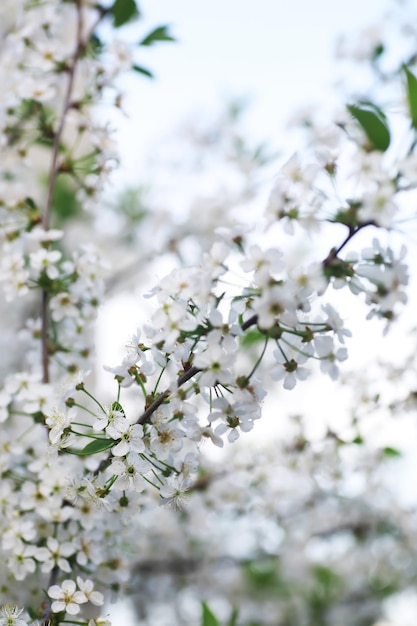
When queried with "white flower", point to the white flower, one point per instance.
{"points": [[82, 491], [41, 235], [215, 361], [10, 616], [166, 440], [53, 555], [328, 355], [174, 492], [120, 56], [63, 305], [289, 358], [123, 372], [66, 598], [198, 433], [21, 530], [233, 417], [130, 435], [129, 472], [36, 89], [289, 370], [99, 621], [335, 323], [87, 587], [264, 263], [273, 304], [379, 207], [44, 261], [5, 400], [21, 562], [110, 416], [38, 397], [58, 421]]}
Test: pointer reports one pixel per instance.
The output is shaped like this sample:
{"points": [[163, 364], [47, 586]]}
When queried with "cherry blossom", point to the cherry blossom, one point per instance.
{"points": [[242, 304], [66, 597]]}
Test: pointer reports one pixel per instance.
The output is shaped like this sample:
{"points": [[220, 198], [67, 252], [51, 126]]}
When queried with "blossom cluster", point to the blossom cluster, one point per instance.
{"points": [[77, 472]]}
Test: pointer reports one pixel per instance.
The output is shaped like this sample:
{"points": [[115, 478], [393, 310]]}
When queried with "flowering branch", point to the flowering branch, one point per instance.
{"points": [[212, 345]]}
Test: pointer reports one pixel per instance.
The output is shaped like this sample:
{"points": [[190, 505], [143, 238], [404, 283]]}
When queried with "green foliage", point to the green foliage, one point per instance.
{"points": [[348, 217], [411, 85], [116, 406], [233, 618], [373, 122], [383, 587], [391, 452], [264, 577], [208, 618], [337, 268], [160, 33], [95, 46], [131, 205], [252, 337], [327, 585], [94, 447], [142, 70], [378, 52], [65, 205], [123, 11]]}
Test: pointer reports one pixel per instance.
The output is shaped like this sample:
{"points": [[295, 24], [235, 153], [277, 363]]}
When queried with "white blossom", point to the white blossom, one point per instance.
{"points": [[66, 597]]}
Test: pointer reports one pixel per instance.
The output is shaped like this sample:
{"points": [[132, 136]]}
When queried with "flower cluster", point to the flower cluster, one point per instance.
{"points": [[77, 472]]}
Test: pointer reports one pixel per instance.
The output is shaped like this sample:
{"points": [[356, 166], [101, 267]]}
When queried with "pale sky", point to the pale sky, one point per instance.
{"points": [[278, 52]]}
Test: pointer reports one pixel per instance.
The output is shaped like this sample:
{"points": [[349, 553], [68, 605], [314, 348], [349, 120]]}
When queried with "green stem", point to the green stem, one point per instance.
{"points": [[94, 400], [258, 362]]}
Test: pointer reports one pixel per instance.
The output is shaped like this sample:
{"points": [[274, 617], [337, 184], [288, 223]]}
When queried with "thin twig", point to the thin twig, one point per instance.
{"points": [[54, 171], [145, 417], [81, 45], [52, 180]]}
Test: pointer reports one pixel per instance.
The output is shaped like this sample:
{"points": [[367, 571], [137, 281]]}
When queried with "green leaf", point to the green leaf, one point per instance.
{"points": [[64, 200], [411, 95], [263, 576], [233, 618], [252, 337], [392, 452], [123, 11], [158, 34], [38, 417], [374, 124], [378, 51], [208, 617], [31, 203], [327, 578], [94, 447], [116, 406], [142, 70]]}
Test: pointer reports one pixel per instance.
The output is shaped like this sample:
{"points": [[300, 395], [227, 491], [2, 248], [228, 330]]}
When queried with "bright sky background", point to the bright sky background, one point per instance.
{"points": [[278, 52]]}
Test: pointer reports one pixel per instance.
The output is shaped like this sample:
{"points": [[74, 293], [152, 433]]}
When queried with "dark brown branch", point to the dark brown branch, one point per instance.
{"points": [[352, 232], [146, 415]]}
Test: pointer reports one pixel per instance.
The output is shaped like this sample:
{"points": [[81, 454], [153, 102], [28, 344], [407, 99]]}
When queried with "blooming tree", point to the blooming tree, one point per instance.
{"points": [[83, 476]]}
